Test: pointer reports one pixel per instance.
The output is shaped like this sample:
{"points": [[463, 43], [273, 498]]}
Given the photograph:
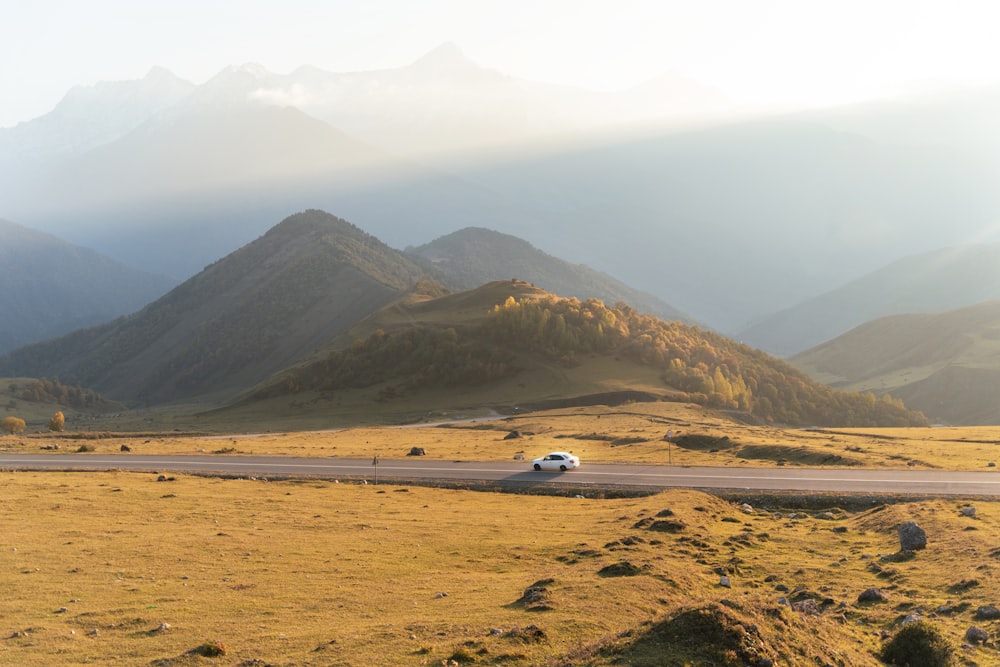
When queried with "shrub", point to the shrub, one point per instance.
{"points": [[13, 425], [211, 649], [85, 448], [58, 422], [918, 644]]}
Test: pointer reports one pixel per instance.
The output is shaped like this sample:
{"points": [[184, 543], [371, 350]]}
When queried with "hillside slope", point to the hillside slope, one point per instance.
{"points": [[932, 282], [946, 365], [51, 287], [250, 314], [475, 256], [512, 341]]}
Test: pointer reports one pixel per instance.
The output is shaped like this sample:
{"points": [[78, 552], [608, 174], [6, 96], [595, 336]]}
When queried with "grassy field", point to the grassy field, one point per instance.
{"points": [[117, 568], [633, 433]]}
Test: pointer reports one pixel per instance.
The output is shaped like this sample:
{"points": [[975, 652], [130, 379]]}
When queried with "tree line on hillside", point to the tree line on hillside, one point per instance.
{"points": [[54, 391], [703, 367], [708, 368]]}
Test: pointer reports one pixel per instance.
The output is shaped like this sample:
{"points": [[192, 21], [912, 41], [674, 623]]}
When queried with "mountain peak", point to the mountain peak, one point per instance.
{"points": [[444, 58]]}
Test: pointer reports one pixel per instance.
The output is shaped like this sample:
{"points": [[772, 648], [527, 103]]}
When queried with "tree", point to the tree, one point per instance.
{"points": [[58, 422], [12, 425]]}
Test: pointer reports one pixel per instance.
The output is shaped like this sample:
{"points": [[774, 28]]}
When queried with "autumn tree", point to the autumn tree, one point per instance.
{"points": [[12, 425], [58, 422]]}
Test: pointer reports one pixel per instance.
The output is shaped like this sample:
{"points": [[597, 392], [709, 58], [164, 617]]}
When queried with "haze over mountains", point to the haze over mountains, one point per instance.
{"points": [[944, 364], [51, 287], [727, 218]]}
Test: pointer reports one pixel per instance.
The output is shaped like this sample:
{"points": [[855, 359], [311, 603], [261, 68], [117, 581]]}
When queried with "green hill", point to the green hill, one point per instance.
{"points": [[258, 310], [511, 342], [946, 364]]}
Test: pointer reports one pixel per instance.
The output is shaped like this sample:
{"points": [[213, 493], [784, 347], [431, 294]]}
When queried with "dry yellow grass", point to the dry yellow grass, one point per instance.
{"points": [[92, 566], [629, 433]]}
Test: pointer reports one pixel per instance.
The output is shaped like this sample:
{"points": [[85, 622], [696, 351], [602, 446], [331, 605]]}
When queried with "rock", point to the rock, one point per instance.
{"points": [[441, 595], [513, 435], [725, 582], [912, 618], [976, 635], [781, 588], [747, 509], [969, 511], [872, 595], [61, 610], [126, 448], [417, 451], [663, 513], [783, 601], [912, 537], [840, 529], [988, 612], [828, 516], [807, 606], [991, 464]]}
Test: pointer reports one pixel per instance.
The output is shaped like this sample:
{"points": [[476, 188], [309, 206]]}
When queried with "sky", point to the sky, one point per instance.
{"points": [[769, 53]]}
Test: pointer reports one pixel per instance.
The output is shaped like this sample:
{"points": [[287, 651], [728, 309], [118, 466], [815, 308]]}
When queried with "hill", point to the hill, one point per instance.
{"points": [[51, 287], [944, 364], [931, 282], [475, 256], [248, 315], [510, 341]]}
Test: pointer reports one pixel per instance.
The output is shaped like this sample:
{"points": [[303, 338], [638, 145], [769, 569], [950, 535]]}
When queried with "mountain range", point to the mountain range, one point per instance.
{"points": [[728, 218], [317, 305]]}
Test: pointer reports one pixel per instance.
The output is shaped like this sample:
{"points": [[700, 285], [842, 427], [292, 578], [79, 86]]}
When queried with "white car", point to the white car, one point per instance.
{"points": [[556, 461]]}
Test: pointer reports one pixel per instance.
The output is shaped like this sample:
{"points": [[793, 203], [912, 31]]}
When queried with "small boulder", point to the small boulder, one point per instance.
{"points": [[912, 537], [417, 451], [988, 612], [976, 635], [969, 511], [513, 435], [126, 448], [872, 595]]}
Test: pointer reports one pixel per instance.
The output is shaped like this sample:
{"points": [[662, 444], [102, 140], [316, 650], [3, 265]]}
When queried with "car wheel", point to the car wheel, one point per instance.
{"points": [[563, 468], [538, 467]]}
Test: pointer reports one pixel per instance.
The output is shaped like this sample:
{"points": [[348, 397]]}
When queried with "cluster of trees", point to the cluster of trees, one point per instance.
{"points": [[53, 391], [419, 357], [707, 368]]}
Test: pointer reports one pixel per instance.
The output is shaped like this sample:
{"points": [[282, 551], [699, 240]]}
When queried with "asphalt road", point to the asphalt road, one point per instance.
{"points": [[934, 482]]}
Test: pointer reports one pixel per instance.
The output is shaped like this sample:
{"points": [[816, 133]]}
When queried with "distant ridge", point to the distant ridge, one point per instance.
{"points": [[945, 364], [474, 256], [51, 287], [242, 318], [930, 282]]}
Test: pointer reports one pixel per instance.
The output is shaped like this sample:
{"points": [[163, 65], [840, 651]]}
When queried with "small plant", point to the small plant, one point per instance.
{"points": [[918, 644], [85, 448], [211, 649]]}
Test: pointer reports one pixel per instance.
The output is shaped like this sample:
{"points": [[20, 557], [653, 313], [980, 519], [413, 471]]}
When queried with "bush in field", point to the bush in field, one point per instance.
{"points": [[13, 425], [918, 644], [58, 422]]}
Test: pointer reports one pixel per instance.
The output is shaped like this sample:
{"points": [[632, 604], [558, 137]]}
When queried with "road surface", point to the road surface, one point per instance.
{"points": [[934, 482]]}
